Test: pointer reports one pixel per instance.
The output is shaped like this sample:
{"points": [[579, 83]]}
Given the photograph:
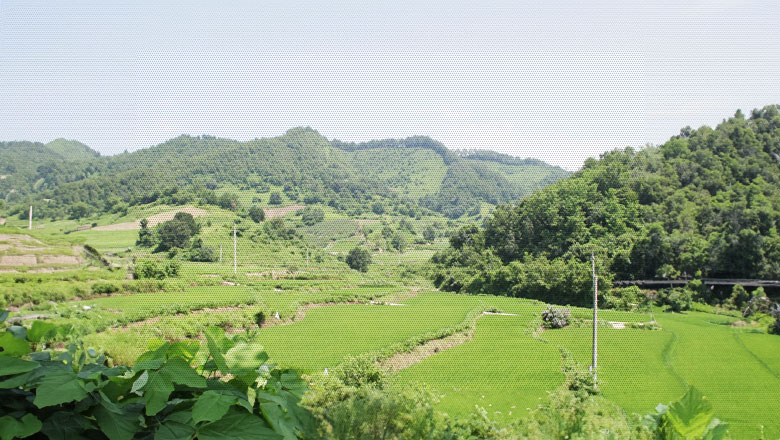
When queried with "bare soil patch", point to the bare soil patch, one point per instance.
{"points": [[18, 260], [18, 239], [153, 220], [271, 213], [301, 313], [399, 361], [58, 259]]}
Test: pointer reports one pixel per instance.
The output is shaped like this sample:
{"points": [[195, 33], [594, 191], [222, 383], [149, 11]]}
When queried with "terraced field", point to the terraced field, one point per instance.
{"points": [[502, 361]]}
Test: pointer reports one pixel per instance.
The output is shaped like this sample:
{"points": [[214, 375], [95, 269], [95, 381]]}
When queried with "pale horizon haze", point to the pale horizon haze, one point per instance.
{"points": [[559, 81]]}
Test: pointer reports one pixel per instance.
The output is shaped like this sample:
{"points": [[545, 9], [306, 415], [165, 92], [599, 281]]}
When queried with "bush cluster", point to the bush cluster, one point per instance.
{"points": [[554, 317], [155, 270]]}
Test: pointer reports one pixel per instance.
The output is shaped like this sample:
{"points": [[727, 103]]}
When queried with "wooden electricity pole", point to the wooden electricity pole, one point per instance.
{"points": [[235, 253], [30, 218], [595, 316]]}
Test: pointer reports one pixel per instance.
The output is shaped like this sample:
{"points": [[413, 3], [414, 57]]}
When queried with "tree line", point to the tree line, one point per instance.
{"points": [[705, 203]]}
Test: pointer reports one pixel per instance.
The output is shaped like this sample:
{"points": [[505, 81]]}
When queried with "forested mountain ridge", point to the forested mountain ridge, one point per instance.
{"points": [[415, 173], [707, 203], [33, 167]]}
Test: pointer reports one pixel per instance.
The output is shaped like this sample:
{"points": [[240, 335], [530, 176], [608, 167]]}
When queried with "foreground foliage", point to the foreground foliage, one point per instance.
{"points": [[76, 393]]}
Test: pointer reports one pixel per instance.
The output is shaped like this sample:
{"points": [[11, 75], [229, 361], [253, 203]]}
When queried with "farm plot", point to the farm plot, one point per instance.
{"points": [[328, 334], [123, 325], [737, 370], [507, 368]]}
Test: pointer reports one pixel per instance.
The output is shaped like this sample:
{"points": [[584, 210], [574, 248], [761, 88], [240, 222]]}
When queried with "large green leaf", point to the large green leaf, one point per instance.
{"points": [[18, 428], [284, 415], [65, 425], [57, 387], [218, 345], [160, 384], [11, 365], [717, 431], [16, 381], [40, 330], [238, 424], [184, 349], [171, 430], [292, 381], [690, 416], [10, 345], [212, 405], [244, 358], [116, 423]]}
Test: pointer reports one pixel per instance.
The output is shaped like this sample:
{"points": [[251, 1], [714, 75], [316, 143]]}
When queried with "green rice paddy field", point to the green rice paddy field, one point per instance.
{"points": [[508, 366]]}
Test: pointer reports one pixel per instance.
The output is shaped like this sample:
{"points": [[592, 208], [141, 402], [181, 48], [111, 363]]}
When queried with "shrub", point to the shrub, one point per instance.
{"points": [[398, 242], [360, 371], [553, 317], [359, 259], [775, 328], [677, 299], [579, 380], [429, 234], [311, 216], [275, 199], [739, 297], [104, 288], [625, 298], [257, 214], [757, 304], [153, 270], [76, 394], [145, 236], [200, 252], [260, 318]]}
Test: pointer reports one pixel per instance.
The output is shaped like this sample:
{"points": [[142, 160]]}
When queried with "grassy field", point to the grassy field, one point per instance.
{"points": [[506, 368]]}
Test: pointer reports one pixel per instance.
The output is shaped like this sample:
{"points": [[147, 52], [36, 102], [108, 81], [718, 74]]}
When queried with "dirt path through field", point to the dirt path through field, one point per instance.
{"points": [[153, 220], [399, 361]]}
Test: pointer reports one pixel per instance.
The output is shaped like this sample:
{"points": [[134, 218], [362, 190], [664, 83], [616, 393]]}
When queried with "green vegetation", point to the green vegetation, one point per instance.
{"points": [[300, 166], [359, 259], [171, 392], [706, 202], [128, 279]]}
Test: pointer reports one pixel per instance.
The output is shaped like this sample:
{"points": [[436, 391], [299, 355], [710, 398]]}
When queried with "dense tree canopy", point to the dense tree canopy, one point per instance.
{"points": [[706, 202], [391, 175]]}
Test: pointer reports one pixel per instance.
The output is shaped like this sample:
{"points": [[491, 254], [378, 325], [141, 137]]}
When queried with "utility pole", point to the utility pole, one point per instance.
{"points": [[235, 253], [30, 218], [595, 317], [220, 254]]}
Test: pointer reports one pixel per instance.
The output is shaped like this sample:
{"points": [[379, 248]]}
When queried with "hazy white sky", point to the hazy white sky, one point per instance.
{"points": [[557, 80]]}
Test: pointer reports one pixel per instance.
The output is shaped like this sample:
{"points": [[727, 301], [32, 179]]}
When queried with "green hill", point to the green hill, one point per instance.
{"points": [[706, 203], [72, 150], [410, 175], [33, 168]]}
